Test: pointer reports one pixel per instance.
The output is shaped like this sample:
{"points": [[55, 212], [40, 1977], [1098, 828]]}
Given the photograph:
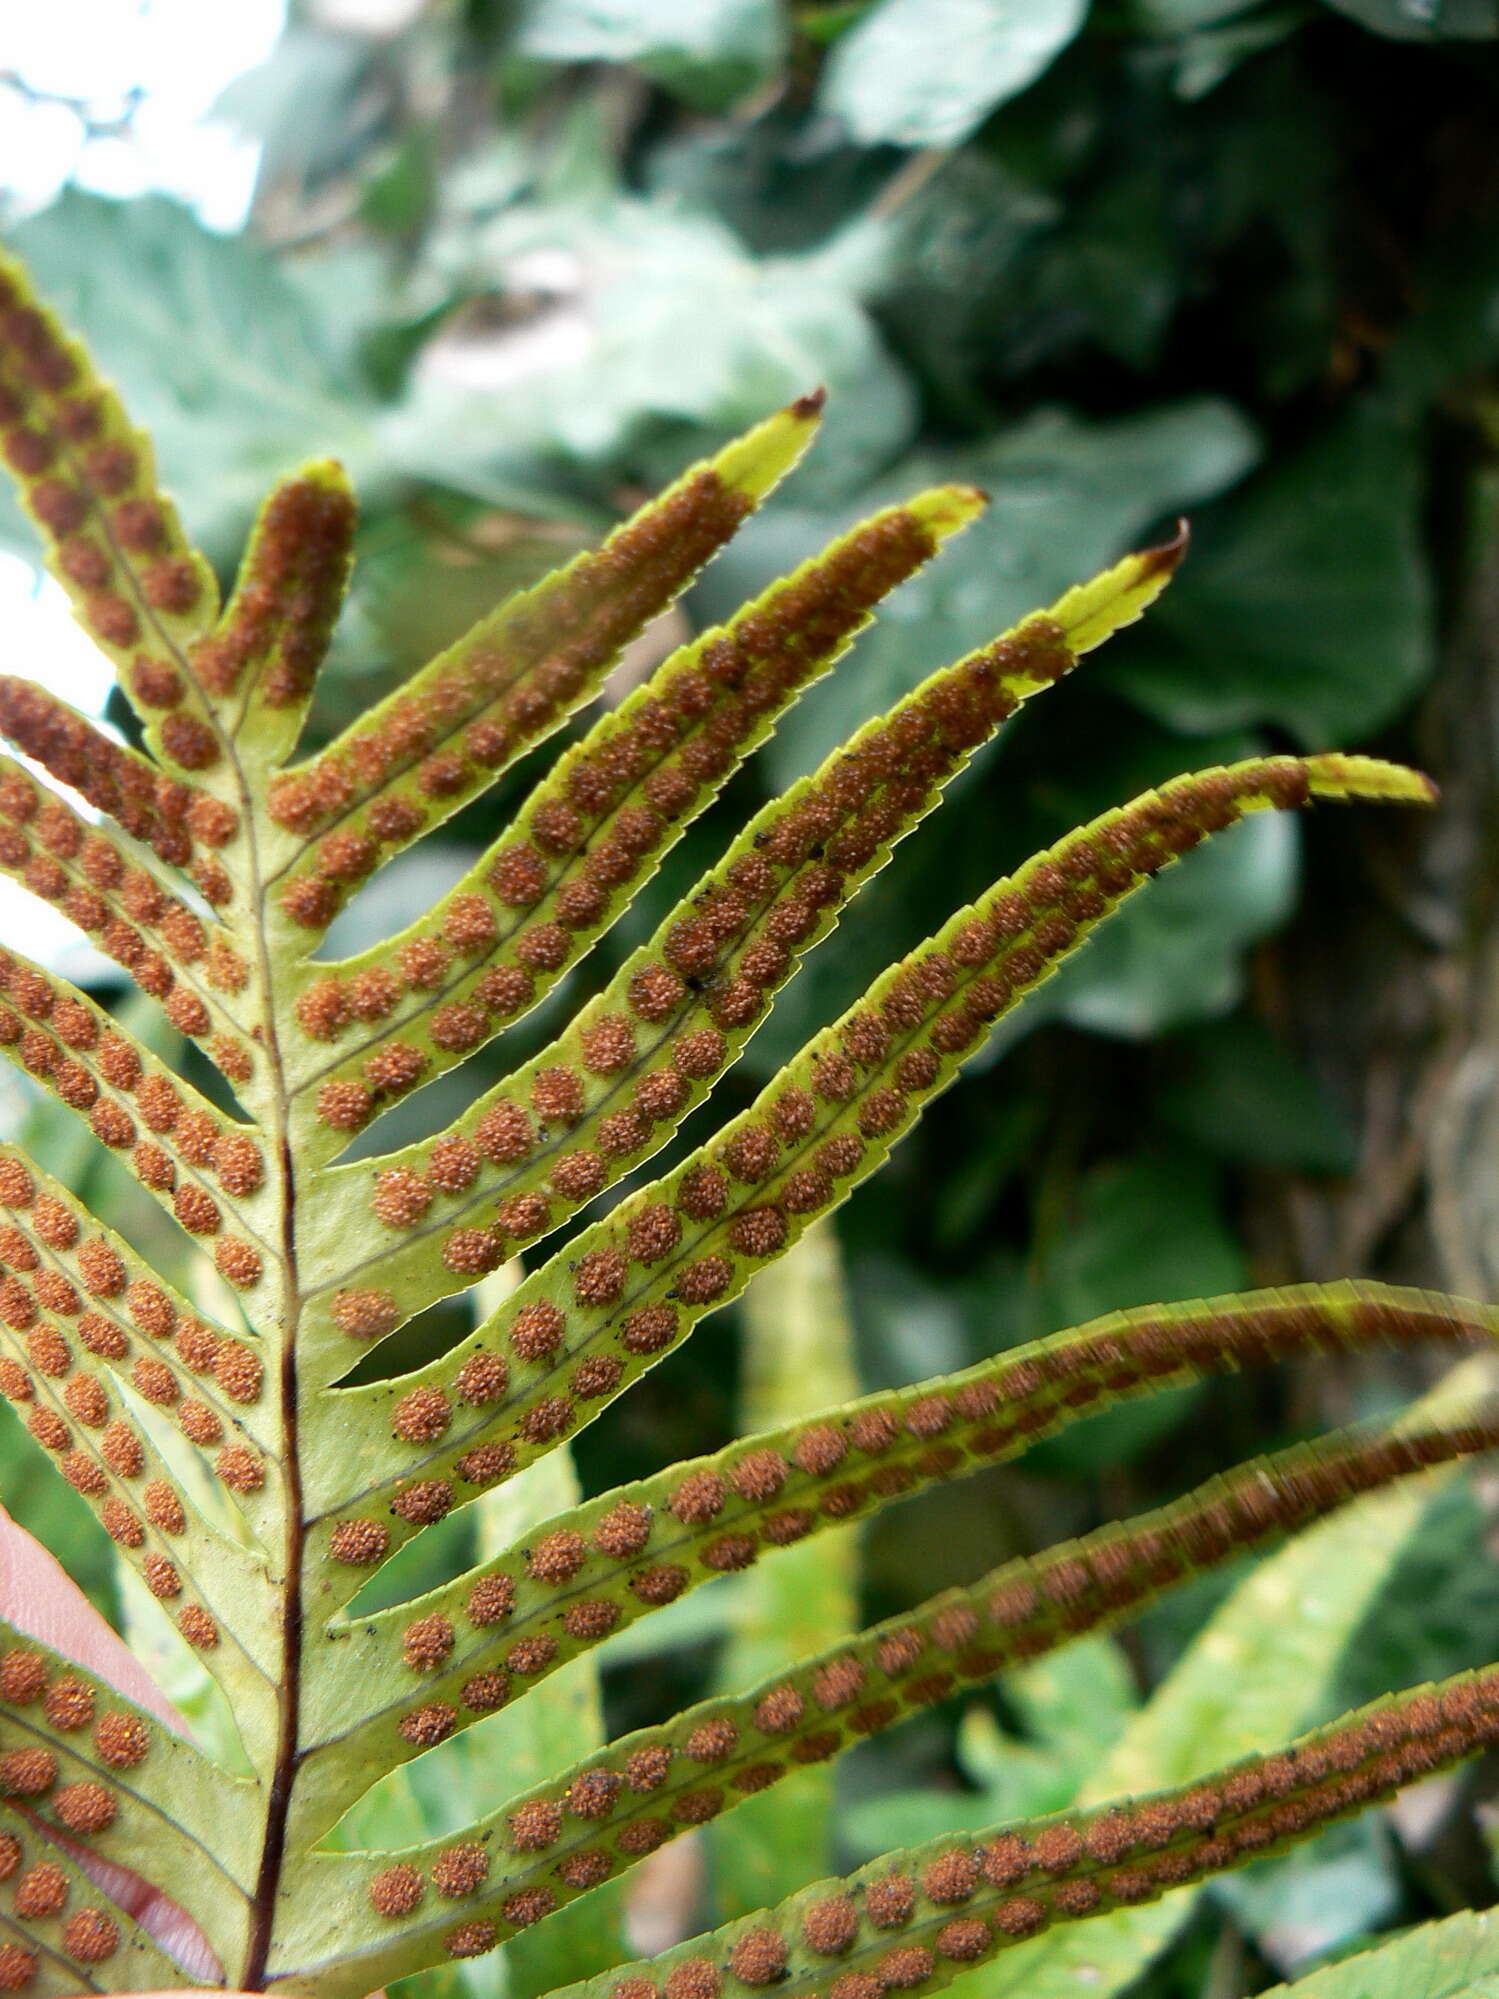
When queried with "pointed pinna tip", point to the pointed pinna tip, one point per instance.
{"points": [[811, 404], [1165, 556]]}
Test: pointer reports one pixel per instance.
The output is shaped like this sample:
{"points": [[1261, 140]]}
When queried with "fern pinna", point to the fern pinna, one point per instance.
{"points": [[255, 1489]]}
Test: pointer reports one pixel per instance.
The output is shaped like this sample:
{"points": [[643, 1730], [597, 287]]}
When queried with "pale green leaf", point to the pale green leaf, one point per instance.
{"points": [[927, 72], [709, 52], [1456, 1959]]}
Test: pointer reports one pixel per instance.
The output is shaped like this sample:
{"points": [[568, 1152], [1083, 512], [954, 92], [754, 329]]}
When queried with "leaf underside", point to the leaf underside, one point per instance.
{"points": [[205, 1411]]}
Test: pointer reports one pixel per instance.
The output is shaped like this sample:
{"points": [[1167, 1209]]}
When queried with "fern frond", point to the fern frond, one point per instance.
{"points": [[258, 665], [86, 476], [186, 963], [460, 1652], [65, 1931], [206, 1170], [83, 1769], [654, 1785], [150, 1412], [255, 1490], [175, 819]]}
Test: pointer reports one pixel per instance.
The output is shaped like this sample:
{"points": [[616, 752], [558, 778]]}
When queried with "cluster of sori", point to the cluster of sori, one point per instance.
{"points": [[892, 1927]]}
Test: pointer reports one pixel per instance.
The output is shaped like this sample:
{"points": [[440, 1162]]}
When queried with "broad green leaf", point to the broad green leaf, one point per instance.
{"points": [[927, 72], [1455, 1959], [1308, 600], [1239, 1093]]}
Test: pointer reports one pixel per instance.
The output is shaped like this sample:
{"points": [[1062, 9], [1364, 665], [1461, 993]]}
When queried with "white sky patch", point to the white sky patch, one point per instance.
{"points": [[172, 58], [165, 63], [40, 640]]}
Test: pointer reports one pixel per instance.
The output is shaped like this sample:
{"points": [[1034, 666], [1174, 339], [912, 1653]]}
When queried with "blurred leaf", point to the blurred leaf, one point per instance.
{"points": [[1075, 1704], [306, 104], [1455, 1959], [1240, 1094], [1116, 264], [1180, 17], [636, 282], [398, 197], [964, 1202], [1424, 20], [912, 1324], [1317, 1898], [1207, 58], [798, 1357], [783, 185], [928, 72], [708, 52], [1438, 1612], [1452, 337], [1111, 1250], [1306, 602]]}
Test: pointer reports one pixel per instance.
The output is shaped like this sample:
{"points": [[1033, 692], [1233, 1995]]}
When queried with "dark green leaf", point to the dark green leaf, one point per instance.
{"points": [[1239, 1093], [1307, 600], [1424, 20], [1117, 1247]]}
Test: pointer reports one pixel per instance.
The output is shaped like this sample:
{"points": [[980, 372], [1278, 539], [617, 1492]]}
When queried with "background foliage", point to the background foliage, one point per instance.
{"points": [[516, 264]]}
